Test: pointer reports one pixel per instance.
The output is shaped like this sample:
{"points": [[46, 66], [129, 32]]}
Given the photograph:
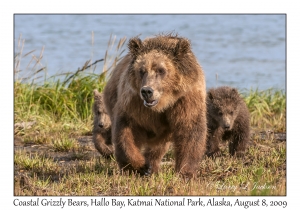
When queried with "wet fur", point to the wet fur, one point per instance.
{"points": [[225, 107], [141, 134]]}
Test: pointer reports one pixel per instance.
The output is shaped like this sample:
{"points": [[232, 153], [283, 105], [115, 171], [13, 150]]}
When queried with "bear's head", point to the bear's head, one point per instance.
{"points": [[162, 70], [223, 105], [101, 118]]}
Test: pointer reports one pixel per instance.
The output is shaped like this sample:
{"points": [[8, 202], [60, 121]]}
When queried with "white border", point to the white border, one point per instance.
{"points": [[154, 6]]}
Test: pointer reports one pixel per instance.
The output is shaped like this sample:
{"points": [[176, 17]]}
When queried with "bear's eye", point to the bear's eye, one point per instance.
{"points": [[220, 113], [161, 71], [231, 112], [142, 72], [98, 112]]}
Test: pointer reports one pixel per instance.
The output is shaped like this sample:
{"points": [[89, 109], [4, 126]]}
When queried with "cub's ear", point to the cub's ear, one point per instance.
{"points": [[182, 47], [210, 95], [134, 45], [97, 95], [234, 92], [95, 92]]}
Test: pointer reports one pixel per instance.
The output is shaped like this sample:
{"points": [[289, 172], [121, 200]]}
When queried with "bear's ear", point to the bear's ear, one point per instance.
{"points": [[182, 47], [210, 95], [95, 92], [97, 95], [134, 45], [234, 92]]}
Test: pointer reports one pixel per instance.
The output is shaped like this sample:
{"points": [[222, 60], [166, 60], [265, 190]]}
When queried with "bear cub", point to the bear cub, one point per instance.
{"points": [[228, 119], [102, 127]]}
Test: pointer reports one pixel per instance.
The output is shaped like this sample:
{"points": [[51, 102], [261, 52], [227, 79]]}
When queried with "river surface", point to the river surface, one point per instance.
{"points": [[244, 51]]}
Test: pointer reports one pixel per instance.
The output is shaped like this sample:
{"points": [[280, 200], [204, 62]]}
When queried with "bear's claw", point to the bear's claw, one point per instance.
{"points": [[146, 170]]}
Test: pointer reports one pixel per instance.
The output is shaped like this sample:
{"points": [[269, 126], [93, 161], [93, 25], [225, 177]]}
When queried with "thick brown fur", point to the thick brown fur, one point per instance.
{"points": [[155, 95], [228, 118], [102, 127]]}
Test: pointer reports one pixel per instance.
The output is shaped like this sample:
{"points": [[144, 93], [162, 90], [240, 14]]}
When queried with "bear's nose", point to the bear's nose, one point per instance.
{"points": [[227, 126], [147, 92], [100, 124]]}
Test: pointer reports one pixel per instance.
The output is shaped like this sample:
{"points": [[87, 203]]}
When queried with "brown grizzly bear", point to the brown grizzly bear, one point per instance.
{"points": [[102, 127], [155, 95], [228, 118]]}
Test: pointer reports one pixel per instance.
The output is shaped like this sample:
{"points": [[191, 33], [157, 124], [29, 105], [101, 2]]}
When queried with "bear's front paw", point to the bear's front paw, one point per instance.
{"points": [[146, 170], [108, 156], [239, 154], [214, 153]]}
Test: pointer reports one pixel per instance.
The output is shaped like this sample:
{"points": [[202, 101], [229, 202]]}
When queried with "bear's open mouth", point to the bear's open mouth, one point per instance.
{"points": [[150, 103]]}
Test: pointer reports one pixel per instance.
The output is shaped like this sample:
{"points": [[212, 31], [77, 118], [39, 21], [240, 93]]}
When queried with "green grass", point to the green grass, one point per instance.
{"points": [[37, 164], [267, 108], [50, 158], [96, 176], [64, 145]]}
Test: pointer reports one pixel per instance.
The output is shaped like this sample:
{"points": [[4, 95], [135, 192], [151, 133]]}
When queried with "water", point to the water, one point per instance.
{"points": [[244, 51]]}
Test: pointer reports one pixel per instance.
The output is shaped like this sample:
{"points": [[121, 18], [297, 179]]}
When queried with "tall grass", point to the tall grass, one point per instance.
{"points": [[63, 97], [68, 96], [267, 108]]}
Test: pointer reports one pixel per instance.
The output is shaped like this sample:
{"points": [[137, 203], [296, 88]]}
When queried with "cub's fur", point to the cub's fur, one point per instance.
{"points": [[102, 127], [228, 119]]}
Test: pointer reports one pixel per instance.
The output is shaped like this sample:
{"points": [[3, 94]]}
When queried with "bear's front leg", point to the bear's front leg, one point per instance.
{"points": [[155, 153], [213, 139], [188, 122], [189, 145], [100, 144], [189, 150], [240, 136], [238, 143], [128, 154]]}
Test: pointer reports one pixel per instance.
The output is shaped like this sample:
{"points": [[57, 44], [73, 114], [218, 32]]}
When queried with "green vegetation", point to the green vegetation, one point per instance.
{"points": [[54, 155], [267, 108]]}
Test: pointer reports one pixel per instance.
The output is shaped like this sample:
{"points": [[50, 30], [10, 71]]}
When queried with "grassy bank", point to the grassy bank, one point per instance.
{"points": [[54, 154]]}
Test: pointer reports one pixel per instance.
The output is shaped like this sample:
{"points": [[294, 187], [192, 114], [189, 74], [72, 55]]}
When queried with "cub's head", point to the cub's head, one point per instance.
{"points": [[161, 70], [101, 118], [223, 105]]}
